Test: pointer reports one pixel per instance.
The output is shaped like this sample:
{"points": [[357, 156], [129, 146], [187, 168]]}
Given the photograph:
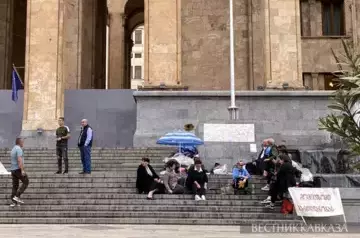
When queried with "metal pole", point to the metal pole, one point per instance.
{"points": [[232, 109]]}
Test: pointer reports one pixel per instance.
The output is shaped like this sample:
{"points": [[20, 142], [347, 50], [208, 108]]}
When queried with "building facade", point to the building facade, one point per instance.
{"points": [[64, 44]]}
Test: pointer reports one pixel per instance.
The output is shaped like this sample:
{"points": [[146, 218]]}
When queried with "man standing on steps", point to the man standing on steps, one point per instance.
{"points": [[85, 144], [18, 173], [62, 137]]}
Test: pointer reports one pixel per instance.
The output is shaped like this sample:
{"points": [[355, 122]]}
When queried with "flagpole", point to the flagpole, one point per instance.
{"points": [[14, 67], [233, 109]]}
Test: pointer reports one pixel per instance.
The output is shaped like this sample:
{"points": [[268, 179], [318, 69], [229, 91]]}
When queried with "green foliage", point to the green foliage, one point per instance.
{"points": [[345, 101]]}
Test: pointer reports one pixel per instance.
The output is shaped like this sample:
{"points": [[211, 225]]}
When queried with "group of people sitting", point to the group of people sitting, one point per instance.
{"points": [[172, 182], [274, 163]]}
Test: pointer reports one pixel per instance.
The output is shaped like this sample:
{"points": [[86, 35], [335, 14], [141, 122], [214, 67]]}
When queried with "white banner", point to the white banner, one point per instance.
{"points": [[3, 171], [229, 133], [317, 202]]}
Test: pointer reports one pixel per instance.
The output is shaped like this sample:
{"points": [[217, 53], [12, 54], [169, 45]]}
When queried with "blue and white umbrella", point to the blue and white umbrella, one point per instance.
{"points": [[180, 138]]}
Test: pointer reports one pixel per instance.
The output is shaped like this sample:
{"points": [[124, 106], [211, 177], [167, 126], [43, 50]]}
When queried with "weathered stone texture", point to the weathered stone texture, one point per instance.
{"points": [[44, 86], [161, 30], [205, 44], [285, 43], [321, 59]]}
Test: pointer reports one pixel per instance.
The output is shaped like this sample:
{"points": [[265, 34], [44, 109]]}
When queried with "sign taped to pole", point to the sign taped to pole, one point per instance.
{"points": [[317, 202]]}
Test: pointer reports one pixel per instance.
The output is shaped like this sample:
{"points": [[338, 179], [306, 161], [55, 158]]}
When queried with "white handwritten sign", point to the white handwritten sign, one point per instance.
{"points": [[229, 133], [317, 202], [3, 171]]}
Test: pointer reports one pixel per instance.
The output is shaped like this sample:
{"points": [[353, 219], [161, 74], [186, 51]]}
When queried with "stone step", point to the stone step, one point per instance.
{"points": [[111, 199], [112, 185], [162, 221], [132, 214], [131, 161], [50, 157], [108, 175], [258, 194], [63, 179], [77, 165], [130, 149], [33, 201], [77, 152], [114, 195], [148, 208]]}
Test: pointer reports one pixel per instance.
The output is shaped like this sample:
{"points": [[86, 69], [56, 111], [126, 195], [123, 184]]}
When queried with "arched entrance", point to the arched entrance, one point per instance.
{"points": [[134, 40], [137, 56]]}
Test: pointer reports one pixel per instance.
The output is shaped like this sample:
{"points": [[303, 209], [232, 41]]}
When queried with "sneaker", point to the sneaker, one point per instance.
{"points": [[13, 204], [18, 200], [65, 172], [266, 188], [266, 201], [58, 172], [197, 198], [270, 205], [203, 197]]}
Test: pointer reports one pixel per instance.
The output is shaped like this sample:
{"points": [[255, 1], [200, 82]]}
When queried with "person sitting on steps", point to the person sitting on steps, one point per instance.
{"points": [[171, 179], [197, 180], [240, 177], [147, 181]]}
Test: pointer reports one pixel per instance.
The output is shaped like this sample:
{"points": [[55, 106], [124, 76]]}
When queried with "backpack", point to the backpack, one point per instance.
{"points": [[287, 207]]}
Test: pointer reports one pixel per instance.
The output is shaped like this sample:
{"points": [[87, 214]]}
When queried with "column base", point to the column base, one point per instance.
{"points": [[233, 113], [163, 88], [284, 88], [39, 139]]}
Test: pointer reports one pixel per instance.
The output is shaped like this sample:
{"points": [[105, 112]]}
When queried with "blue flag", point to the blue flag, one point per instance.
{"points": [[16, 85]]}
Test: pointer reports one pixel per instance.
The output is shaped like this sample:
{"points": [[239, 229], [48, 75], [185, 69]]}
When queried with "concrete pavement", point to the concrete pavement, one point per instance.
{"points": [[136, 231]]}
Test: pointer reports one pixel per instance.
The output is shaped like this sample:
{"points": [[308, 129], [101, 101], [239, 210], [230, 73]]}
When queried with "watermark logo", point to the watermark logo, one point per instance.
{"points": [[298, 228]]}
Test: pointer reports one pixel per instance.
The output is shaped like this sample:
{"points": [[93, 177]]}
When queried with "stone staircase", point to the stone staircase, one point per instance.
{"points": [[108, 195]]}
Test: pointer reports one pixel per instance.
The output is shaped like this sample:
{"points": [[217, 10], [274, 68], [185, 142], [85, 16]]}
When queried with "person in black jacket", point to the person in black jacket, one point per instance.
{"points": [[197, 180], [285, 178], [147, 181]]}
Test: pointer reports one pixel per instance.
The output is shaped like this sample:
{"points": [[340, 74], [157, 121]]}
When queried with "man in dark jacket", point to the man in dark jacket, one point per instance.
{"points": [[285, 178], [85, 144]]}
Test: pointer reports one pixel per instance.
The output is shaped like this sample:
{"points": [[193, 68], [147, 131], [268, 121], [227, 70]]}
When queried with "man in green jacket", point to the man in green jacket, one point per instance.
{"points": [[62, 137]]}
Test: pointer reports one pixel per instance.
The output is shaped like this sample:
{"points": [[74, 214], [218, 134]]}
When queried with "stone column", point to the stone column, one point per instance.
{"points": [[162, 58], [116, 48], [283, 44], [315, 82], [44, 85], [5, 43]]}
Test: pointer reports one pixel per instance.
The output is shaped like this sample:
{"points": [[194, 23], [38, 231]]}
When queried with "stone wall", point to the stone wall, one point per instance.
{"points": [[10, 118], [112, 114], [320, 60], [206, 45], [288, 117]]}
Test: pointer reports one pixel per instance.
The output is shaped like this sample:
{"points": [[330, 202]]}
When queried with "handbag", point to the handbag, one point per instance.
{"points": [[287, 207]]}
